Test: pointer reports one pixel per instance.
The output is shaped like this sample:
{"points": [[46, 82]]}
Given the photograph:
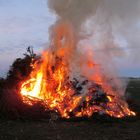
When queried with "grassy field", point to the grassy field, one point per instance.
{"points": [[133, 90], [94, 129]]}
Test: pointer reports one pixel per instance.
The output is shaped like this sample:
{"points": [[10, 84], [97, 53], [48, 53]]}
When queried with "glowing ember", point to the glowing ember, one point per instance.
{"points": [[51, 84]]}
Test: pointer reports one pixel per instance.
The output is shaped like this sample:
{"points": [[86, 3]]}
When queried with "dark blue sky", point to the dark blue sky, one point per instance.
{"points": [[26, 22]]}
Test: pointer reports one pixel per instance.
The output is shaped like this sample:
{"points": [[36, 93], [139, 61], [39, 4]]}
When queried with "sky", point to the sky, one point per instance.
{"points": [[22, 23], [26, 23]]}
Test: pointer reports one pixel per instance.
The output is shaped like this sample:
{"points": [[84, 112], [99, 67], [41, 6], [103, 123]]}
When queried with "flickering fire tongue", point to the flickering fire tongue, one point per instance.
{"points": [[52, 82]]}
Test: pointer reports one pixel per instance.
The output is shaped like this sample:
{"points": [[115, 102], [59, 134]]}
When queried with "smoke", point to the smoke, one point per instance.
{"points": [[115, 31], [111, 22], [102, 27], [74, 11]]}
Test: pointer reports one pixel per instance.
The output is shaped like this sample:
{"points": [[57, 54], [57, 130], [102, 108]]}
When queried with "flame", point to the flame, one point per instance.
{"points": [[50, 83]]}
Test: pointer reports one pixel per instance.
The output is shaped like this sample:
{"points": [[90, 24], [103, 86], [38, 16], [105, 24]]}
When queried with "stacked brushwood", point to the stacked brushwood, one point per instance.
{"points": [[11, 102]]}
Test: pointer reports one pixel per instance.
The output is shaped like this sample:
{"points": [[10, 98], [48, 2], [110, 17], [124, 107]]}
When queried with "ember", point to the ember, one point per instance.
{"points": [[53, 83]]}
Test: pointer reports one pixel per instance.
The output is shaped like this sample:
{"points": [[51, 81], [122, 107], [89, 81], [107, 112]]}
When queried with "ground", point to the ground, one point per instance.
{"points": [[80, 130], [96, 129]]}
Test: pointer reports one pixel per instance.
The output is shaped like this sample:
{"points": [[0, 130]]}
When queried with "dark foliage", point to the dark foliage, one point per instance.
{"points": [[21, 68], [10, 101], [2, 84]]}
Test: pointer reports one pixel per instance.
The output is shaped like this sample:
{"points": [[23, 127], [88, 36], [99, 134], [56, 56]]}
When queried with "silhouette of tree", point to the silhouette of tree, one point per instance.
{"points": [[21, 67]]}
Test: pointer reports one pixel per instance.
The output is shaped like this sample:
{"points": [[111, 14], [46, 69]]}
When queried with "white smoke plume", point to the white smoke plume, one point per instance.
{"points": [[74, 11], [116, 29], [113, 18], [102, 27]]}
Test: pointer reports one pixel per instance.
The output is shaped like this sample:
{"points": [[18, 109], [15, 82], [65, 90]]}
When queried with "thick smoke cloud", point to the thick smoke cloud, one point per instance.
{"points": [[74, 11], [114, 19], [105, 27], [117, 29]]}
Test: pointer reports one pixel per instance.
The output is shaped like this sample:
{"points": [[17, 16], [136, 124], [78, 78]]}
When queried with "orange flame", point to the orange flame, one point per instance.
{"points": [[49, 82]]}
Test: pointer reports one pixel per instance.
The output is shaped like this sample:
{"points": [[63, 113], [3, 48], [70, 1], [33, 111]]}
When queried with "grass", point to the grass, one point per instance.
{"points": [[97, 129], [133, 90]]}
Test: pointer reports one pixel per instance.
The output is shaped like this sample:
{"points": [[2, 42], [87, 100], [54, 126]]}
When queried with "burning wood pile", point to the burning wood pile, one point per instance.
{"points": [[64, 80], [53, 84], [53, 88]]}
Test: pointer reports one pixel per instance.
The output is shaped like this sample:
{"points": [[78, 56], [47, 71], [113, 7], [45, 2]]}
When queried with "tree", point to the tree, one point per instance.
{"points": [[21, 67]]}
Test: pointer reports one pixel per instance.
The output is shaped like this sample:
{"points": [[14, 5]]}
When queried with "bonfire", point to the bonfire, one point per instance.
{"points": [[61, 88]]}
